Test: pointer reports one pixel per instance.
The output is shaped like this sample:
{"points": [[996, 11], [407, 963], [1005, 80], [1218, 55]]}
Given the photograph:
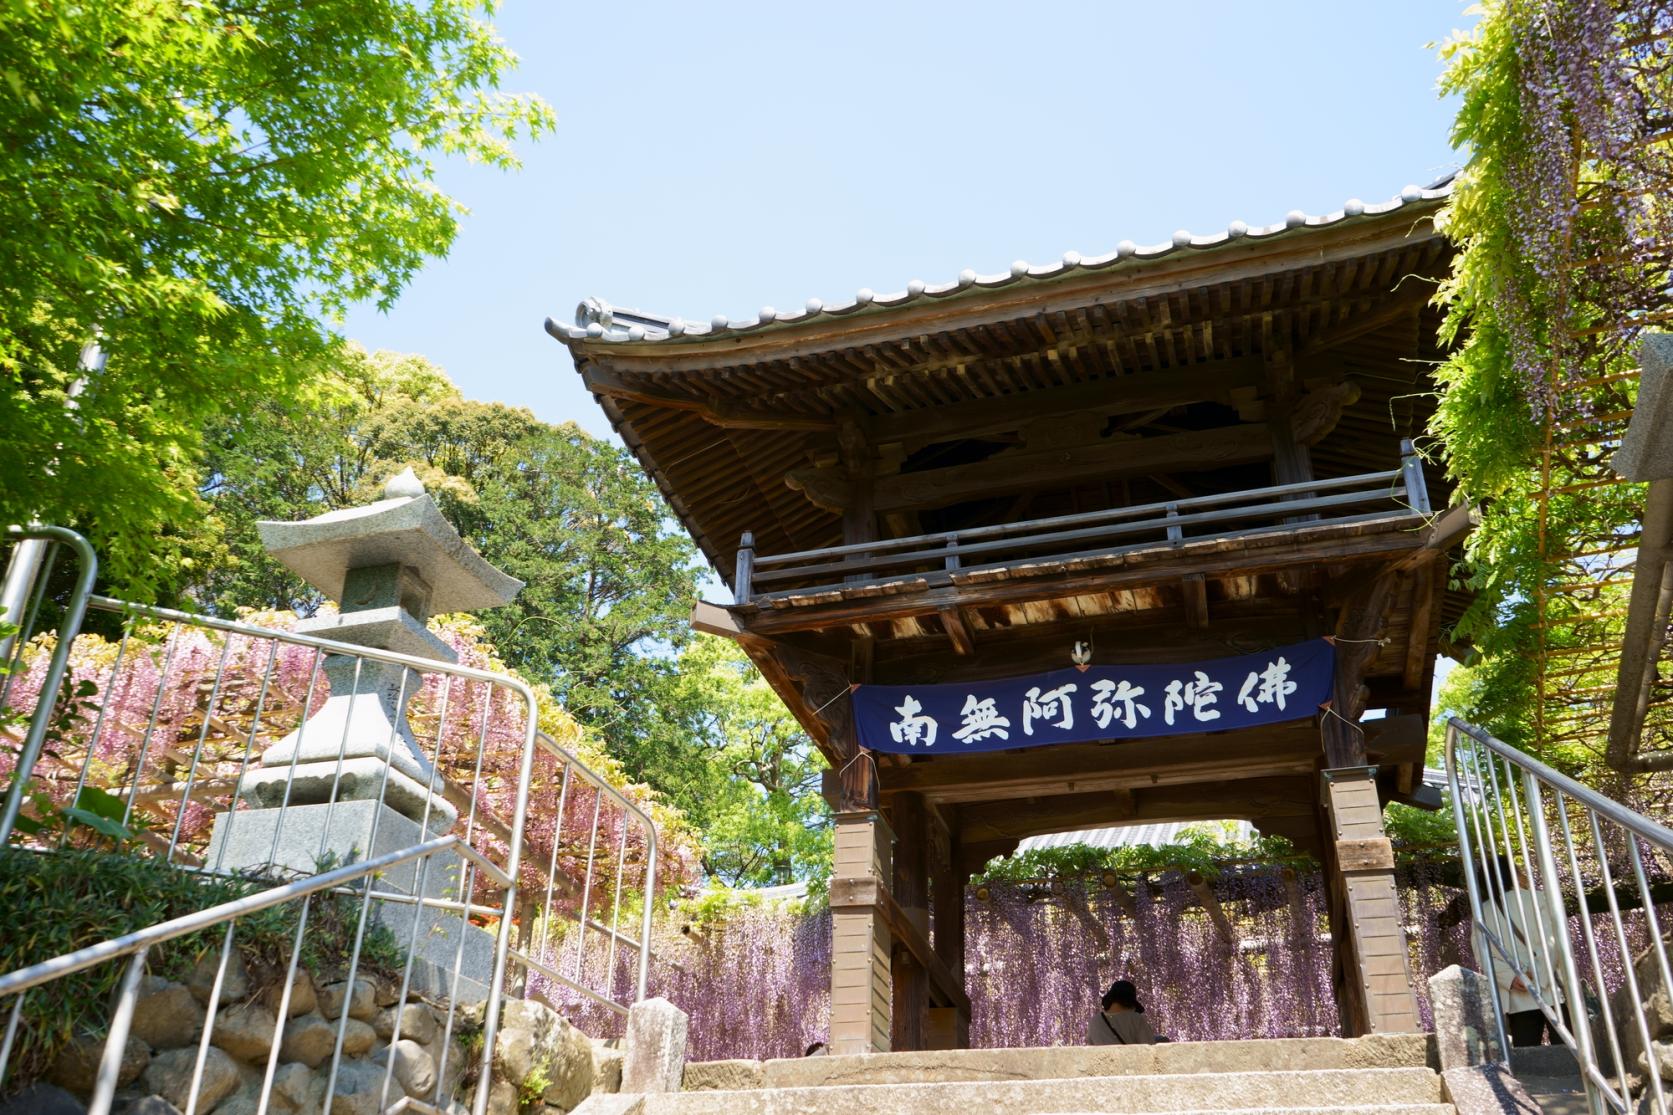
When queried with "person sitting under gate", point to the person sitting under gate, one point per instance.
{"points": [[1122, 1021], [1519, 935]]}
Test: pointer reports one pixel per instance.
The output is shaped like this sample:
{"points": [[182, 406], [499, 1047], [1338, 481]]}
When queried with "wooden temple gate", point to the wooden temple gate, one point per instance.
{"points": [[1164, 456]]}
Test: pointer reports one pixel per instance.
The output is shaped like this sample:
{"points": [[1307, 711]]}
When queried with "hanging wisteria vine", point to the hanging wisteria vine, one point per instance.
{"points": [[1563, 234]]}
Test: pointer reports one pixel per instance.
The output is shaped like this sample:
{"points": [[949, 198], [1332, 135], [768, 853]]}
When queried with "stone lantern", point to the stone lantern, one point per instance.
{"points": [[352, 781], [390, 566]]}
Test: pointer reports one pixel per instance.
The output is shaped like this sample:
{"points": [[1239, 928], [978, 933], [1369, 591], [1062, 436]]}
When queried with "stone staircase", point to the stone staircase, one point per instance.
{"points": [[1301, 1076], [1551, 1076]]}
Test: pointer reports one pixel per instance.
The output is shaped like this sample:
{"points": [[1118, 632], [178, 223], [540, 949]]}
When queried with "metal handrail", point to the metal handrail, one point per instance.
{"points": [[643, 944], [514, 849], [502, 872], [137, 945], [538, 741], [1509, 829], [29, 574], [48, 970]]}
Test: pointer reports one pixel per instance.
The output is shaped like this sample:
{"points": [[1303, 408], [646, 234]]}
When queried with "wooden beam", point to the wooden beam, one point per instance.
{"points": [[810, 685], [1359, 627], [1108, 767], [1418, 651], [1193, 589], [1314, 416], [1133, 394], [1153, 636], [714, 411], [910, 892], [1440, 534], [1397, 739], [1202, 801], [1015, 471], [973, 856], [949, 1028], [1402, 305], [1317, 413], [1210, 903], [964, 644]]}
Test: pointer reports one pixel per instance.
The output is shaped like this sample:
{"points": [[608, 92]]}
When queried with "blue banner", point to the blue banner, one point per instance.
{"points": [[1092, 703]]}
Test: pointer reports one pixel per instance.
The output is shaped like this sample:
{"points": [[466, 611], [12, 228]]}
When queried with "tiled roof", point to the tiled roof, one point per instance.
{"points": [[597, 320]]}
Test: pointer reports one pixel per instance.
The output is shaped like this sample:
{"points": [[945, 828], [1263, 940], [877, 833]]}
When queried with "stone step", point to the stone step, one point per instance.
{"points": [[1544, 1060], [1199, 1091], [1353, 1109], [1068, 1062], [1568, 1101]]}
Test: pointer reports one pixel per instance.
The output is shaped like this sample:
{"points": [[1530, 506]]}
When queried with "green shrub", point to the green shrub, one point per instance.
{"points": [[56, 903]]}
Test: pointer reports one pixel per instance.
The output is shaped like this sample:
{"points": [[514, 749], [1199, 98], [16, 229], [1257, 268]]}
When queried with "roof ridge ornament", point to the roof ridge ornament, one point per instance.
{"points": [[404, 485]]}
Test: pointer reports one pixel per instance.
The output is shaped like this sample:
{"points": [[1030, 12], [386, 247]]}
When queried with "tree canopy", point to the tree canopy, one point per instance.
{"points": [[603, 620], [203, 187]]}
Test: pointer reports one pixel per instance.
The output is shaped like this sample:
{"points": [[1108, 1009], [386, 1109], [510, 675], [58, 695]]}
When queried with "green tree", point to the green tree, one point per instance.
{"points": [[609, 578], [762, 814], [200, 185]]}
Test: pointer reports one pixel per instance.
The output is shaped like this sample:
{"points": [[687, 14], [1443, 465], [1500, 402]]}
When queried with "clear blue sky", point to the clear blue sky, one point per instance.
{"points": [[720, 157]]}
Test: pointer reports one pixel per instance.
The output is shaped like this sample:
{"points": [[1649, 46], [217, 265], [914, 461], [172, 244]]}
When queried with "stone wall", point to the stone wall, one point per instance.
{"points": [[390, 1048], [1658, 1013]]}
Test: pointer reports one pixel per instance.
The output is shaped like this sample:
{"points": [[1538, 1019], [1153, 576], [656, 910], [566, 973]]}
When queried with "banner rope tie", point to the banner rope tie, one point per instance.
{"points": [[862, 753], [832, 701], [1332, 712]]}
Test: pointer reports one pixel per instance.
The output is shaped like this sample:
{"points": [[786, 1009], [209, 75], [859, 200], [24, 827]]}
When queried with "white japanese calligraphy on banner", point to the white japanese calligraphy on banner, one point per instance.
{"points": [[1097, 703]]}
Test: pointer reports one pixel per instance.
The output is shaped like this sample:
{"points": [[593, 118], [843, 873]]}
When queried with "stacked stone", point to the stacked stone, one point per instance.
{"points": [[1658, 1013], [541, 1063]]}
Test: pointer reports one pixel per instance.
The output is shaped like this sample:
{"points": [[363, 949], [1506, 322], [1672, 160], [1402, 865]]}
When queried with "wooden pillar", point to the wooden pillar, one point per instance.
{"points": [[1359, 627], [911, 889], [1291, 462], [948, 1026], [1371, 969], [859, 520], [861, 985]]}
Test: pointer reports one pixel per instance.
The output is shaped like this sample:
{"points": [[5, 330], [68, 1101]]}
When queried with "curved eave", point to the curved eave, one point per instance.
{"points": [[629, 336]]}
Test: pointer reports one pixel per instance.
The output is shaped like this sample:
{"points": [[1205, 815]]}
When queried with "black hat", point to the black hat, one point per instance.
{"points": [[1123, 992]]}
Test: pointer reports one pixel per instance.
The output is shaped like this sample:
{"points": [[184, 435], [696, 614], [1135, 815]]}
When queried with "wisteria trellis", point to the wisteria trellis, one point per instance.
{"points": [[1038, 957]]}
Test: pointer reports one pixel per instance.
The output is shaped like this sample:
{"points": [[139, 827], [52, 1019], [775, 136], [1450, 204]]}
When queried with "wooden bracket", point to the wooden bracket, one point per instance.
{"points": [[1374, 853]]}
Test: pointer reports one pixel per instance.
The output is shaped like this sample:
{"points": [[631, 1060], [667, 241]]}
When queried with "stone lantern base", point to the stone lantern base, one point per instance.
{"points": [[299, 840]]}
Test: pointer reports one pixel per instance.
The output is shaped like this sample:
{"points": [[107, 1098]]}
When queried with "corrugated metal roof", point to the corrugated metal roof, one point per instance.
{"points": [[1137, 836], [597, 320]]}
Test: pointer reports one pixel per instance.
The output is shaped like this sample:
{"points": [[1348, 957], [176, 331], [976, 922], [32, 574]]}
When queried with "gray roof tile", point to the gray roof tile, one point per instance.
{"points": [[597, 320]]}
